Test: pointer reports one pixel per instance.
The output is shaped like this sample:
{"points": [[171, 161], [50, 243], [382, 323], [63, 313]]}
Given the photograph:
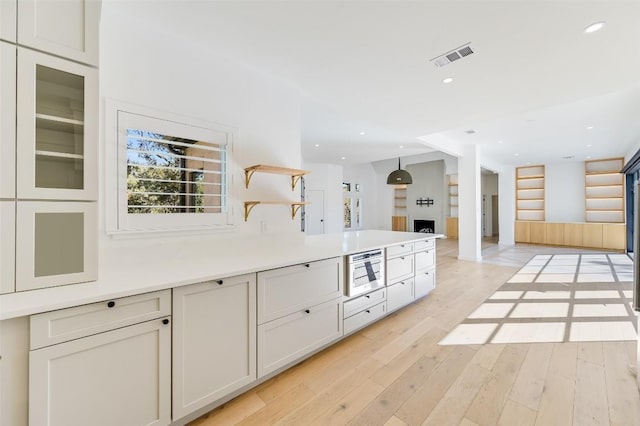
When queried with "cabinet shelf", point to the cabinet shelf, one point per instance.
{"points": [[530, 187], [604, 191], [295, 174], [59, 155], [295, 206], [57, 119]]}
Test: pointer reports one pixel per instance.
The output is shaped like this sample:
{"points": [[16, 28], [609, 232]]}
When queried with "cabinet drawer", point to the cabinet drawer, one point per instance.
{"points": [[425, 259], [54, 327], [365, 317], [287, 290], [287, 339], [425, 282], [423, 245], [400, 294], [359, 303], [399, 250], [399, 268]]}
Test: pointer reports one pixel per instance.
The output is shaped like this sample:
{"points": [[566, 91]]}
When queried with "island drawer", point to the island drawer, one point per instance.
{"points": [[426, 244], [59, 326], [365, 317], [357, 304], [425, 282], [399, 250], [400, 268], [400, 294], [284, 291]]}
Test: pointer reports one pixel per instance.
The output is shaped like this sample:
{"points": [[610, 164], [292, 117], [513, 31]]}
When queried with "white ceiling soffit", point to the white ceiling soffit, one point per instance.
{"points": [[367, 63]]}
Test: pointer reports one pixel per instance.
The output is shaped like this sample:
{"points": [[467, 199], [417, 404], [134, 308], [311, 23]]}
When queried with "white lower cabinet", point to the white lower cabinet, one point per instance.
{"points": [[289, 338], [121, 377], [424, 283], [399, 268], [364, 317], [214, 341], [399, 294]]}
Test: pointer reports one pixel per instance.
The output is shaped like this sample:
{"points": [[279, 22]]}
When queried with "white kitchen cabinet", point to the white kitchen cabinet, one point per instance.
{"points": [[7, 246], [7, 118], [121, 377], [364, 317], [55, 243], [57, 115], [8, 13], [357, 304], [400, 294], [67, 28], [287, 290], [400, 268], [399, 250], [287, 339], [425, 282], [425, 259], [214, 341]]}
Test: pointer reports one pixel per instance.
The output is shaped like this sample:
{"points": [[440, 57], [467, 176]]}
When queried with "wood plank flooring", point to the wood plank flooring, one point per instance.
{"points": [[394, 373]]}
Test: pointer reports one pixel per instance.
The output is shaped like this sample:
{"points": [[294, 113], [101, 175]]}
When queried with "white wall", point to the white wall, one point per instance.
{"points": [[507, 206], [328, 178], [428, 182], [489, 188], [564, 192], [141, 65]]}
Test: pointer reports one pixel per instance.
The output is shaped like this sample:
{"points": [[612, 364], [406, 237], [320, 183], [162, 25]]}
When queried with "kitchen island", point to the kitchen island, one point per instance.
{"points": [[181, 329]]}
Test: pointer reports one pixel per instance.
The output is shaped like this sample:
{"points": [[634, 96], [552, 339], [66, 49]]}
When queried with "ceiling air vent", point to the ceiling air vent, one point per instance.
{"points": [[452, 55]]}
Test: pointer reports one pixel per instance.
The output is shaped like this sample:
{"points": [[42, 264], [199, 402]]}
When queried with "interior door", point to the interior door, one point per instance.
{"points": [[315, 212]]}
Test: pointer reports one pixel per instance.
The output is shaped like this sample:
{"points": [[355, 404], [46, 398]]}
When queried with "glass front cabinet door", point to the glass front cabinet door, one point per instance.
{"points": [[56, 128], [55, 243]]}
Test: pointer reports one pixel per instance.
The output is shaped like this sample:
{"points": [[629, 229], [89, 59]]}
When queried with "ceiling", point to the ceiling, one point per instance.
{"points": [[535, 82]]}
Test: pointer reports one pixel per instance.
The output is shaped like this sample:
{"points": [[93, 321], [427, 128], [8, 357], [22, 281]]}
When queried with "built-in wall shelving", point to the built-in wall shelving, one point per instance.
{"points": [[604, 190], [453, 196], [399, 218], [530, 193]]}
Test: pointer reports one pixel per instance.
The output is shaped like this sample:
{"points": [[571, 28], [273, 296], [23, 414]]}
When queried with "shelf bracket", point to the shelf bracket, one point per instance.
{"points": [[247, 178], [294, 181], [248, 206], [294, 210]]}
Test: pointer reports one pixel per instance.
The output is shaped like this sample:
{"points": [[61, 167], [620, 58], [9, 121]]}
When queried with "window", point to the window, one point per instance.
{"points": [[172, 175]]}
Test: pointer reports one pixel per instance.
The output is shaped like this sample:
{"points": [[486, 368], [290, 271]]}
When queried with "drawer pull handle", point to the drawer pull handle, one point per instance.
{"points": [[307, 265], [219, 282], [368, 311], [402, 258], [111, 304], [308, 311], [368, 296], [165, 321], [402, 282]]}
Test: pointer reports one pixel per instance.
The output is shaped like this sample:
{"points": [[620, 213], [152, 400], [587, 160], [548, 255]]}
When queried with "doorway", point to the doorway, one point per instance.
{"points": [[315, 212]]}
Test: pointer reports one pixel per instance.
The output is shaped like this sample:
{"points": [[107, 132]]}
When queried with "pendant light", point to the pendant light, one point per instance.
{"points": [[399, 177]]}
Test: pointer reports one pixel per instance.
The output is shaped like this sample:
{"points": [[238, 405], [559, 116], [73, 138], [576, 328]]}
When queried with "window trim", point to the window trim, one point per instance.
{"points": [[118, 220]]}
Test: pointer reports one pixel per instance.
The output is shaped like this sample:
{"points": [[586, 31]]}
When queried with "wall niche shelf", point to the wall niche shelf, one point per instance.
{"points": [[295, 206], [295, 174], [530, 193], [604, 190]]}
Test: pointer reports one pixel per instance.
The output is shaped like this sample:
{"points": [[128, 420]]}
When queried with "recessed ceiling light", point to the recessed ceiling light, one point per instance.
{"points": [[528, 163], [589, 127], [362, 133], [589, 146], [317, 145], [588, 157], [596, 26], [499, 141], [447, 80], [343, 158], [401, 146], [515, 155]]}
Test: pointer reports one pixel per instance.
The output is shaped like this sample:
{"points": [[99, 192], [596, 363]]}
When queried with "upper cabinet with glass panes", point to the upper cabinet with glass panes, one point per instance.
{"points": [[56, 128]]}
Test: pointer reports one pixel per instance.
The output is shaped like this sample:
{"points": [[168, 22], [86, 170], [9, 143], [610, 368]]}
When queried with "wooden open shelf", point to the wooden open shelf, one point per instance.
{"points": [[604, 190], [295, 174], [530, 193], [295, 206], [453, 197]]}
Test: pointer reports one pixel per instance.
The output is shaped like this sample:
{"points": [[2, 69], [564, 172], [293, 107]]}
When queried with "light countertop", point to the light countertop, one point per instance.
{"points": [[143, 267]]}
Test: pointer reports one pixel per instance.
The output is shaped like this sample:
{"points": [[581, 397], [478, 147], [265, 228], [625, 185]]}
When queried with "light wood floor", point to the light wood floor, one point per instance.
{"points": [[394, 372]]}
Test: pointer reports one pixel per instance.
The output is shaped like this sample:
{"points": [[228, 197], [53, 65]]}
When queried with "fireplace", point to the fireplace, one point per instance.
{"points": [[426, 226]]}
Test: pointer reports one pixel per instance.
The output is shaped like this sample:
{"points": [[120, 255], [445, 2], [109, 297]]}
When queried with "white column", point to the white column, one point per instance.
{"points": [[507, 205], [469, 204]]}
